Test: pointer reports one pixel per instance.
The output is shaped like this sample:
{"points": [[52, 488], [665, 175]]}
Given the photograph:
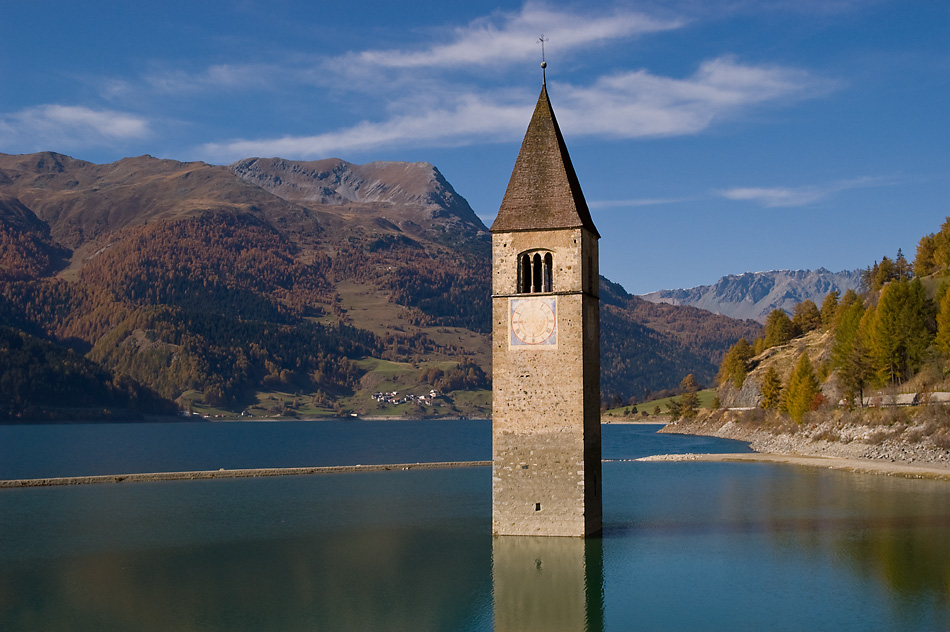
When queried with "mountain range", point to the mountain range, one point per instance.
{"points": [[753, 295], [272, 286]]}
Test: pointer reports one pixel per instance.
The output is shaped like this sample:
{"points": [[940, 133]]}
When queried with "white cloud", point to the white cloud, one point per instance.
{"points": [[605, 204], [638, 103], [215, 77], [486, 42], [625, 105], [798, 196], [471, 119], [513, 37], [45, 126]]}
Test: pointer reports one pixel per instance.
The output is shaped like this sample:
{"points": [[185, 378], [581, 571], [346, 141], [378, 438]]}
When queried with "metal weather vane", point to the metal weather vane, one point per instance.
{"points": [[544, 63]]}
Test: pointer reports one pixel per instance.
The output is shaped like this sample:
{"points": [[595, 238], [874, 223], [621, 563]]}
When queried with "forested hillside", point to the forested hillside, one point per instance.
{"points": [[275, 287], [660, 343], [893, 338], [46, 381]]}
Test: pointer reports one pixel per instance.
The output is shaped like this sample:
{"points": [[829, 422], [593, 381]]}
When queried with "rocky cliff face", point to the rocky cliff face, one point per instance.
{"points": [[754, 294], [408, 195]]}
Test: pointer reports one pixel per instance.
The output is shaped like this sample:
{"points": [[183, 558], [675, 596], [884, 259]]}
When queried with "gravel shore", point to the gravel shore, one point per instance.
{"points": [[876, 444], [865, 466]]}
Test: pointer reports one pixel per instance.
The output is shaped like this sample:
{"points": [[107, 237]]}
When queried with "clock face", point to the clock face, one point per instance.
{"points": [[533, 321]]}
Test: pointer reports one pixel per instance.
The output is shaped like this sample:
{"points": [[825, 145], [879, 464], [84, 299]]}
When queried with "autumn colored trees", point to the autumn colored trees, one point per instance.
{"points": [[933, 252], [735, 363], [803, 389], [850, 351], [883, 336], [687, 406], [771, 390], [900, 331]]}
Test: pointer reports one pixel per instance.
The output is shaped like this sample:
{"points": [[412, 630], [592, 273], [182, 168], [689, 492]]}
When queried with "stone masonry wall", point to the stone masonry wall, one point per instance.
{"points": [[546, 427]]}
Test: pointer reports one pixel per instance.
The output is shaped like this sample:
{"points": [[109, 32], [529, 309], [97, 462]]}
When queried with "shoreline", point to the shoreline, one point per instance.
{"points": [[874, 446], [201, 419], [860, 466]]}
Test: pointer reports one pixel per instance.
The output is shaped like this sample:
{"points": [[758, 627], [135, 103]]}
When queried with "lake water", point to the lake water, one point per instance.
{"points": [[686, 546]]}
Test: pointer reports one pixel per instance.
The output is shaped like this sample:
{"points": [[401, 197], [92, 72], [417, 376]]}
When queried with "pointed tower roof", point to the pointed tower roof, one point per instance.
{"points": [[543, 192]]}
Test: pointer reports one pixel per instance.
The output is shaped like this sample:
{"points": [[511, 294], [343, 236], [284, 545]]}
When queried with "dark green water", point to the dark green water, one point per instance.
{"points": [[686, 546]]}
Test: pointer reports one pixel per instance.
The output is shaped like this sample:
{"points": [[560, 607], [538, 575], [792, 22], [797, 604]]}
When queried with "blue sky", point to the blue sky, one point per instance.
{"points": [[710, 137]]}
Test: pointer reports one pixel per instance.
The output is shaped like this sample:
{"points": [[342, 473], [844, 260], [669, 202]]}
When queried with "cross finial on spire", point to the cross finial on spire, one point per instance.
{"points": [[544, 64]]}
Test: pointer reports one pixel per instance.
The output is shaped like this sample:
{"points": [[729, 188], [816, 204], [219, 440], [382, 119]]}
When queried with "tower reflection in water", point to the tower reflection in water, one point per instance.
{"points": [[550, 584]]}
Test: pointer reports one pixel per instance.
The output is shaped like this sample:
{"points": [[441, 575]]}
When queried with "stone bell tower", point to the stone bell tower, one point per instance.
{"points": [[546, 470]]}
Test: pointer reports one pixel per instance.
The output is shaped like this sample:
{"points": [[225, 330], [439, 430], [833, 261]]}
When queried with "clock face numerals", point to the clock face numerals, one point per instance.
{"points": [[533, 321]]}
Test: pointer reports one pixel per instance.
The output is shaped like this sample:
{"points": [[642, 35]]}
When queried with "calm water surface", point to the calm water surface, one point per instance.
{"points": [[43, 451], [686, 546]]}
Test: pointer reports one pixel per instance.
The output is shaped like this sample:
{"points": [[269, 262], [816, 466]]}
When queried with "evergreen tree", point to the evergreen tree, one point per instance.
{"points": [[878, 275], [941, 247], [846, 331], [943, 326], [805, 317], [778, 328], [688, 385], [771, 390], [802, 390], [924, 261], [849, 352], [735, 364], [901, 267], [850, 297], [673, 407], [689, 404], [829, 308], [901, 332]]}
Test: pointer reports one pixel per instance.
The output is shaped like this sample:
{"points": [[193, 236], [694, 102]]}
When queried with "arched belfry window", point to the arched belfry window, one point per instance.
{"points": [[535, 272]]}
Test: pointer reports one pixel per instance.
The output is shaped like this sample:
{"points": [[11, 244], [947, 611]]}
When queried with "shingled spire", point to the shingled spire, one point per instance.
{"points": [[543, 192]]}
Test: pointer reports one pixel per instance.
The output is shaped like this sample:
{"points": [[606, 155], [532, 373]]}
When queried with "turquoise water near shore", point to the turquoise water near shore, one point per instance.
{"points": [[686, 546]]}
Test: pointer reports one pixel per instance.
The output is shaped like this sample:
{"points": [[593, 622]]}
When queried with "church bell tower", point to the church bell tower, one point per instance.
{"points": [[546, 458]]}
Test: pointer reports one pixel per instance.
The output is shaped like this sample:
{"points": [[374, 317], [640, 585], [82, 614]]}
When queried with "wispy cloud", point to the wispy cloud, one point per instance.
{"points": [[508, 37], [625, 105], [472, 118], [68, 126], [639, 103], [241, 77], [636, 202], [799, 196], [439, 94], [489, 42]]}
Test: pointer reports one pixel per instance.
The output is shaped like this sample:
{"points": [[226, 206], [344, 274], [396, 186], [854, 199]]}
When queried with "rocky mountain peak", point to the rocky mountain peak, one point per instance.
{"points": [[754, 294], [335, 182]]}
